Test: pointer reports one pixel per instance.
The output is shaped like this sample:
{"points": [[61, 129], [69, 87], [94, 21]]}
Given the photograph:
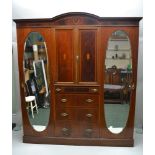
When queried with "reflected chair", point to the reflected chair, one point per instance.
{"points": [[31, 101], [113, 86]]}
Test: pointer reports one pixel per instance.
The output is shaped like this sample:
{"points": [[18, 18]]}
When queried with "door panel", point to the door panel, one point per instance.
{"points": [[37, 80], [27, 52], [87, 41], [114, 45], [65, 54]]}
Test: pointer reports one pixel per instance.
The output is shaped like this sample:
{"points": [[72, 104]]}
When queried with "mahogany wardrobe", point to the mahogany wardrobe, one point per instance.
{"points": [[78, 75]]}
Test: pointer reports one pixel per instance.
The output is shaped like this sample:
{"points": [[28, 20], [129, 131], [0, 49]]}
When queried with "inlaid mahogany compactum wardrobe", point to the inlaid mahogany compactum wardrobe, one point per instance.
{"points": [[78, 75]]}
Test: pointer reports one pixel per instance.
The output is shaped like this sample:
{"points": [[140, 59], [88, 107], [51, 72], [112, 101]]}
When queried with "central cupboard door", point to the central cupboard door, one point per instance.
{"points": [[76, 55], [76, 102], [65, 55], [88, 53]]}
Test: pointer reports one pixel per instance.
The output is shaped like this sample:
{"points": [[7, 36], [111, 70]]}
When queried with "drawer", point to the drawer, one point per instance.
{"points": [[77, 89], [66, 100], [88, 100], [67, 129], [65, 114], [87, 115], [78, 114], [89, 130], [76, 129], [63, 129]]}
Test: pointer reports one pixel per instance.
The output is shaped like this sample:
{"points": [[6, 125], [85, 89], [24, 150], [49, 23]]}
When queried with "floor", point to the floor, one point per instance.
{"points": [[41, 118], [111, 114], [19, 148]]}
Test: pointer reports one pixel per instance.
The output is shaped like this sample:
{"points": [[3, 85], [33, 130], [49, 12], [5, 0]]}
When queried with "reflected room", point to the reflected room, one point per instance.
{"points": [[117, 81], [37, 81]]}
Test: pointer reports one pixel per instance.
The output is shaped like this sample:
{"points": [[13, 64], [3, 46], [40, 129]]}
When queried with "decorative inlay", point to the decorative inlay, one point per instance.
{"points": [[64, 56], [88, 56], [88, 51], [76, 20]]}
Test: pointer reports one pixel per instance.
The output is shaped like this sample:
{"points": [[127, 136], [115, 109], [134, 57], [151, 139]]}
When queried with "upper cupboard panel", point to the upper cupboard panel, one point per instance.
{"points": [[65, 54], [87, 55], [76, 54]]}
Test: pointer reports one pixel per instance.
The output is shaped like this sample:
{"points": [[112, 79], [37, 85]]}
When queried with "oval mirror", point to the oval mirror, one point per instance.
{"points": [[37, 94], [117, 79]]}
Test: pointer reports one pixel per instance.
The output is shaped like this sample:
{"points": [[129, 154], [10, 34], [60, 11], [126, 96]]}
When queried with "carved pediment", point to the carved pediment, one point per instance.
{"points": [[76, 19]]}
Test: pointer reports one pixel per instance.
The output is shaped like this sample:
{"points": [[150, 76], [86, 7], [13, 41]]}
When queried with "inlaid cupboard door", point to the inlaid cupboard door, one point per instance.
{"points": [[88, 47], [64, 41]]}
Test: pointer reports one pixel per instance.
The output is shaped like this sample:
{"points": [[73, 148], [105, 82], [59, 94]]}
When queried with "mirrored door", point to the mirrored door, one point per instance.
{"points": [[37, 81], [117, 81]]}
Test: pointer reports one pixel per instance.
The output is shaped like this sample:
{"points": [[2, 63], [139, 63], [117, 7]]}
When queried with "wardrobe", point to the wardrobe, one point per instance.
{"points": [[69, 56]]}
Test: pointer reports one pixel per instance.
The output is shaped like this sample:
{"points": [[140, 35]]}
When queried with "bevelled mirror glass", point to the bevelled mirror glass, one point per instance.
{"points": [[117, 80], [37, 81]]}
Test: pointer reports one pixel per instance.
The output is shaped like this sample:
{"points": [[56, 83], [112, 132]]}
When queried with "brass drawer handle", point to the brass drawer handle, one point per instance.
{"points": [[88, 130], [65, 131], [89, 100], [64, 114], [63, 100], [89, 115], [94, 90], [58, 89]]}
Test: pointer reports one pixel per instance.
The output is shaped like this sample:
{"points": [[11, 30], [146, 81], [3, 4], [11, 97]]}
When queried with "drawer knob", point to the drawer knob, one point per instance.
{"points": [[94, 90], [89, 115], [89, 100], [63, 100], [65, 131], [64, 114], [88, 130], [58, 89]]}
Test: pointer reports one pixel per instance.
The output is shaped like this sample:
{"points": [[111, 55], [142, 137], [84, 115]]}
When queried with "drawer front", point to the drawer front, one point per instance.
{"points": [[67, 100], [76, 129], [65, 114], [87, 115], [76, 89], [66, 129], [88, 100], [89, 130]]}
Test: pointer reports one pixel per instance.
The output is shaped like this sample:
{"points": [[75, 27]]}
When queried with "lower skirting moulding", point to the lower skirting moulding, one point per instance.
{"points": [[78, 141]]}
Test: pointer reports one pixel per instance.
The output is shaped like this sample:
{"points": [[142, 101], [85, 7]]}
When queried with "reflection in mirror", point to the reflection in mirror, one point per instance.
{"points": [[117, 80], [37, 94]]}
